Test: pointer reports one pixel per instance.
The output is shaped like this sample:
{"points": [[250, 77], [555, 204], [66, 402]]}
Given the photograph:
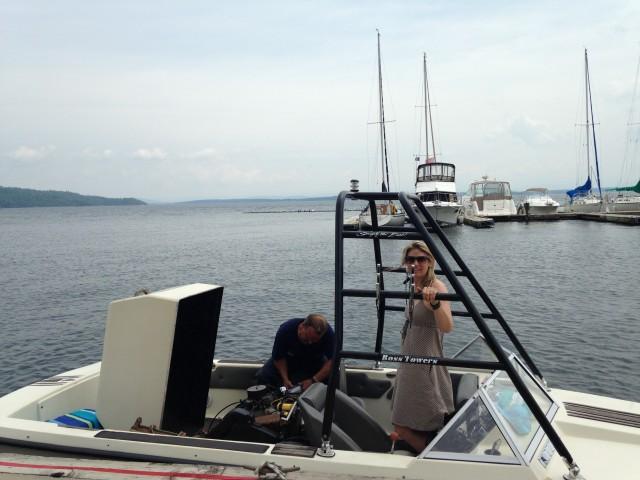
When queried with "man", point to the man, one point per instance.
{"points": [[302, 353]]}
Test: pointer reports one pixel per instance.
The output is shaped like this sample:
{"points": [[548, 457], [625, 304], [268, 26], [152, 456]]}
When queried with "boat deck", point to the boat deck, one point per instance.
{"points": [[30, 467]]}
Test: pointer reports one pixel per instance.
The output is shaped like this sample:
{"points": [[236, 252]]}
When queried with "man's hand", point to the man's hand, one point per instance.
{"points": [[306, 383], [287, 383]]}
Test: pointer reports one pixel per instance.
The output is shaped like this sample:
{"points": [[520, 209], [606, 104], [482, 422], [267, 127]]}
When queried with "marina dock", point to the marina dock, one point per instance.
{"points": [[632, 218]]}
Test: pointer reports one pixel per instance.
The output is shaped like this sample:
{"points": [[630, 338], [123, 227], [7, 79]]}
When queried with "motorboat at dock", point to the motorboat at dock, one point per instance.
{"points": [[537, 201], [159, 395], [489, 198]]}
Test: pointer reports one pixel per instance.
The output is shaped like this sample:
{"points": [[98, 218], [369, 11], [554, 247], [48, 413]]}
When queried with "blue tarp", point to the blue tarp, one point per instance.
{"points": [[580, 191]]}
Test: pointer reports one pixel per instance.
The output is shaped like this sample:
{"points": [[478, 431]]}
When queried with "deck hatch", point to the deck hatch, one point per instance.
{"points": [[294, 450], [603, 414]]}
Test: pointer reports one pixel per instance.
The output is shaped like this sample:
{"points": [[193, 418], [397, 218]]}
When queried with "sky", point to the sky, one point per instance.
{"points": [[181, 100]]}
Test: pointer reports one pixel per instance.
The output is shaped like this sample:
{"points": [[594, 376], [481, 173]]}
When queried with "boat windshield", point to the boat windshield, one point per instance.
{"points": [[495, 425], [441, 172]]}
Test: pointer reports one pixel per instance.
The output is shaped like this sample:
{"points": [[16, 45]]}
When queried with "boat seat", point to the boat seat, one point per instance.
{"points": [[343, 385], [356, 422], [311, 404], [464, 386], [353, 427]]}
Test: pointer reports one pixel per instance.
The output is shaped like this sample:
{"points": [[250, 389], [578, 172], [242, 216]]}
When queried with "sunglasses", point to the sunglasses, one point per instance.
{"points": [[420, 259]]}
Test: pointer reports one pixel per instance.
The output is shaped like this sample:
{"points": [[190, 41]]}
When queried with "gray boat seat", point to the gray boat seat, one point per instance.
{"points": [[311, 404], [464, 386], [356, 422], [353, 428]]}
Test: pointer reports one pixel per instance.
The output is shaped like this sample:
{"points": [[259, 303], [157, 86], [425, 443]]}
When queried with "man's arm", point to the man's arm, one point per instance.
{"points": [[281, 366], [320, 375]]}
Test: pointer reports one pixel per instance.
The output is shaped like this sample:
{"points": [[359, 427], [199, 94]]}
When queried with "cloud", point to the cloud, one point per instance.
{"points": [[206, 153], [527, 130], [30, 154], [150, 153], [97, 153]]}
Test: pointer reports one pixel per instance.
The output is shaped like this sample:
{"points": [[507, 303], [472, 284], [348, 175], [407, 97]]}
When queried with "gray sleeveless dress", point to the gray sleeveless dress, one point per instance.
{"points": [[422, 394]]}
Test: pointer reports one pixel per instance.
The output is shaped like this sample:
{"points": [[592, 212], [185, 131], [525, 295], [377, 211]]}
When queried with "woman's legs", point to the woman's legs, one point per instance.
{"points": [[417, 439]]}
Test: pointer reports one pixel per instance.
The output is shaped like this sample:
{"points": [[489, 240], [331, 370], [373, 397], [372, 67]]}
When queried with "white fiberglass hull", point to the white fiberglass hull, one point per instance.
{"points": [[446, 214], [539, 209], [23, 416], [543, 210], [396, 220], [586, 206], [625, 204], [490, 208]]}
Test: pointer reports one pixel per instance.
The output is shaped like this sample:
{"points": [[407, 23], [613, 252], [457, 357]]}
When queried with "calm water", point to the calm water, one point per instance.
{"points": [[569, 289]]}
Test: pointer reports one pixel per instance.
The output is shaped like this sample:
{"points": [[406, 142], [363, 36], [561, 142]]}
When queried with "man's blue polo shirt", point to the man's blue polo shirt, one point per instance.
{"points": [[298, 355]]}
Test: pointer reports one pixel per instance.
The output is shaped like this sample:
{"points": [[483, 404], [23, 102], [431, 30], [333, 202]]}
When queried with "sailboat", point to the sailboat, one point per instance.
{"points": [[582, 199], [388, 214], [628, 197], [435, 181]]}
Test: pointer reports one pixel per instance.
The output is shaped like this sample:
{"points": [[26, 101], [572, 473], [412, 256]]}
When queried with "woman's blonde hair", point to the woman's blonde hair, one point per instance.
{"points": [[420, 245]]}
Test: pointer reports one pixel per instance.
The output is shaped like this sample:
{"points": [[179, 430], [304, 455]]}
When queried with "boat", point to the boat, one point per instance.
{"points": [[489, 198], [435, 181], [160, 395], [627, 197], [537, 201], [387, 213], [583, 199]]}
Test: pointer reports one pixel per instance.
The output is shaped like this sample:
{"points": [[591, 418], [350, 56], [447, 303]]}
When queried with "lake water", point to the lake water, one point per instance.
{"points": [[569, 289]]}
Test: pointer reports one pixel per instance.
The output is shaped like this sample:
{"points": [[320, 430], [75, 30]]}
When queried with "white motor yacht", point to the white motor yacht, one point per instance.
{"points": [[436, 187], [435, 181], [537, 201], [489, 198], [158, 394]]}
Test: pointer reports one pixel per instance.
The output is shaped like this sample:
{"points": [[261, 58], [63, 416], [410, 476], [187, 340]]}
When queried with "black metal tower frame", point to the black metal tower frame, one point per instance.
{"points": [[421, 219]]}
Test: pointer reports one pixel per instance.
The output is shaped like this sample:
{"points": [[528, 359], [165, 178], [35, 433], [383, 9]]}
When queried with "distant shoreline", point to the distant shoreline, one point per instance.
{"points": [[14, 197]]}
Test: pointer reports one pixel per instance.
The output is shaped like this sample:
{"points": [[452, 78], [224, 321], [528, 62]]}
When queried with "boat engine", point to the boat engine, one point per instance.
{"points": [[266, 416]]}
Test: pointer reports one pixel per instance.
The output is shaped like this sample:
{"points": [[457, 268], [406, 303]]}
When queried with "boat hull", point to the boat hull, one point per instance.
{"points": [[585, 207], [491, 208], [445, 214], [625, 204], [396, 220], [538, 209], [23, 429]]}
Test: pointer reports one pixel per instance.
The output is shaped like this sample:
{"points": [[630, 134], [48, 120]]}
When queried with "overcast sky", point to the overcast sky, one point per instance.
{"points": [[190, 100]]}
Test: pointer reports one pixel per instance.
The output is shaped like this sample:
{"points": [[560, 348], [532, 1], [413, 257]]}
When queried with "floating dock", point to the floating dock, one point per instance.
{"points": [[632, 218]]}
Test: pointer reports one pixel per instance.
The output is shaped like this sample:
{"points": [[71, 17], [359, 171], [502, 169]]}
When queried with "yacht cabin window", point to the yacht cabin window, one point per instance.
{"points": [[491, 190], [440, 172], [438, 197]]}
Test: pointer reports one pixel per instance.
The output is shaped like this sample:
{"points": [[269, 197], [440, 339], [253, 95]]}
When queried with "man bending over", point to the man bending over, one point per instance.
{"points": [[302, 353]]}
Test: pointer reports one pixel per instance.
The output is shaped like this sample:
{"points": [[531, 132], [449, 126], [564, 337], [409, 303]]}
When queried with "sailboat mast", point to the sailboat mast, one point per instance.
{"points": [[383, 139], [593, 131], [586, 106], [426, 108], [428, 102]]}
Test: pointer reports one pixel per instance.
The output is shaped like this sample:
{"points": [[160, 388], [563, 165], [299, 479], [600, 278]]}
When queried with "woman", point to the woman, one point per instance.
{"points": [[423, 394]]}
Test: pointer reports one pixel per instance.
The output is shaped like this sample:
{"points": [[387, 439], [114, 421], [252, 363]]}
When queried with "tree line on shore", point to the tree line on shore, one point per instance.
{"points": [[14, 197]]}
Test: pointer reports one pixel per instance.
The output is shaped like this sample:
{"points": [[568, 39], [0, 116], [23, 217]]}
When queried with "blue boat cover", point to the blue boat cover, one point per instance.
{"points": [[84, 418], [582, 190]]}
